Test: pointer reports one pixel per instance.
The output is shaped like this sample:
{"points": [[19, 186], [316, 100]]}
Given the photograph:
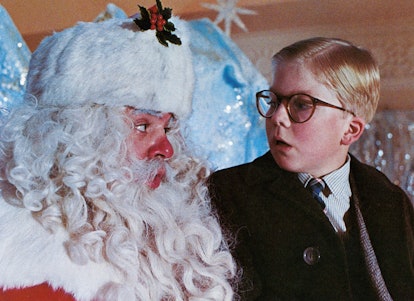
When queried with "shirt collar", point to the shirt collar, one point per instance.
{"points": [[337, 181]]}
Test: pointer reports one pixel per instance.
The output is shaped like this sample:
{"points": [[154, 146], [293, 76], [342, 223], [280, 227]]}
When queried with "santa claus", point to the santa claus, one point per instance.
{"points": [[101, 199]]}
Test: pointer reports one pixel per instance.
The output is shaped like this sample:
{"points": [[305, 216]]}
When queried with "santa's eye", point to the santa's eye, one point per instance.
{"points": [[141, 127]]}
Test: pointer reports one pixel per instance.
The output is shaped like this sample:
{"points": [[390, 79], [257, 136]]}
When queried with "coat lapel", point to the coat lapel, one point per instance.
{"points": [[287, 187], [374, 271]]}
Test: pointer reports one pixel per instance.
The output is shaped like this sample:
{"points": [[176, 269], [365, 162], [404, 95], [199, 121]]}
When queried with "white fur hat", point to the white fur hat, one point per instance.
{"points": [[115, 64]]}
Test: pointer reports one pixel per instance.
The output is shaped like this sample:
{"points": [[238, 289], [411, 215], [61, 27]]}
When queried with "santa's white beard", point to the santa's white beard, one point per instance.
{"points": [[159, 237]]}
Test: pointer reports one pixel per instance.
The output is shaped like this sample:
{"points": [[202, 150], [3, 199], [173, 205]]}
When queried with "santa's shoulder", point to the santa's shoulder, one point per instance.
{"points": [[31, 255]]}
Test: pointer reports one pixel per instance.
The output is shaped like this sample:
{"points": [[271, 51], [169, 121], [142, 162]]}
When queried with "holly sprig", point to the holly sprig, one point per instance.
{"points": [[156, 18]]}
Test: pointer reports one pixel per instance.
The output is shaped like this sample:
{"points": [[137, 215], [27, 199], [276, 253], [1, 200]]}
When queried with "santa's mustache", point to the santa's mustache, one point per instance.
{"points": [[144, 171]]}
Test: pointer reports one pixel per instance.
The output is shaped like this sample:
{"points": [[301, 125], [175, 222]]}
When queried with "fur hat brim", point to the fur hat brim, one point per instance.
{"points": [[115, 64]]}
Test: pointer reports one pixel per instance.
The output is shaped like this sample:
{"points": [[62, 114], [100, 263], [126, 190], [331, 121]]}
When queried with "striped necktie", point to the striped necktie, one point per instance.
{"points": [[316, 186]]}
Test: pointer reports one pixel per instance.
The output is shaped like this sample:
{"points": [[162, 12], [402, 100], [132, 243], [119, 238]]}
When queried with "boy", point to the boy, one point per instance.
{"points": [[351, 238]]}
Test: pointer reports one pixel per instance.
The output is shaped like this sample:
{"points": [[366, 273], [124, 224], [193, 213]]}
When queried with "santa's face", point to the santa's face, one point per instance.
{"points": [[149, 141]]}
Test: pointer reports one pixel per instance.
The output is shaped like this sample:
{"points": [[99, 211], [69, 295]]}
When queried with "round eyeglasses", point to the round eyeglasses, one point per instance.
{"points": [[300, 107]]}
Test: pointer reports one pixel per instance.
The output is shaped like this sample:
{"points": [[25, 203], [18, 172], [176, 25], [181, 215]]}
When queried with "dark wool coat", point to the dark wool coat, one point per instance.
{"points": [[288, 249]]}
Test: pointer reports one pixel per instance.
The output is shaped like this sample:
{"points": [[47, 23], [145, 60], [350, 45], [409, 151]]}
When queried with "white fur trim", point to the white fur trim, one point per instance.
{"points": [[115, 64], [30, 255]]}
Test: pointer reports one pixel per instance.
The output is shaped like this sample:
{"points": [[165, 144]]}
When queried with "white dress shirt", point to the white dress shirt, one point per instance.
{"points": [[336, 194]]}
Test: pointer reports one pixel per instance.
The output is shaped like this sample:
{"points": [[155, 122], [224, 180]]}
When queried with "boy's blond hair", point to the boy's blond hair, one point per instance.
{"points": [[351, 71]]}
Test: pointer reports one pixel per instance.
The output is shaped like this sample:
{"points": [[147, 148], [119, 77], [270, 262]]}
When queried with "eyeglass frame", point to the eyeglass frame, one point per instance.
{"points": [[315, 102]]}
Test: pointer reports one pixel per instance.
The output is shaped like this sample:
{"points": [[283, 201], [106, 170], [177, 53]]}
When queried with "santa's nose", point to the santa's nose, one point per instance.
{"points": [[161, 148]]}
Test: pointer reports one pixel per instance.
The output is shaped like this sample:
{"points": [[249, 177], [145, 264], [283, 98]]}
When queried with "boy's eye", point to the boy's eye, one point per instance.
{"points": [[273, 104], [141, 127]]}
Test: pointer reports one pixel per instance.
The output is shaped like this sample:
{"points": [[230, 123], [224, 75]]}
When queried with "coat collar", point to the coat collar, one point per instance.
{"points": [[285, 185]]}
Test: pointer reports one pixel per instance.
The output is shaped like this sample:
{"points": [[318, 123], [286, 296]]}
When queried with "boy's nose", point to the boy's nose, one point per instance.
{"points": [[281, 116]]}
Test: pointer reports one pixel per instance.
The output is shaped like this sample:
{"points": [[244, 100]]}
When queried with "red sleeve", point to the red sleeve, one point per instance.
{"points": [[41, 292]]}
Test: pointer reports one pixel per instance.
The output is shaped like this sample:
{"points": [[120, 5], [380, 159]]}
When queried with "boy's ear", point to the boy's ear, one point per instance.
{"points": [[355, 129]]}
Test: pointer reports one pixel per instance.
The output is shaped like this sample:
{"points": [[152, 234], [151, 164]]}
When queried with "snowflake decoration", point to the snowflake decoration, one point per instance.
{"points": [[228, 12]]}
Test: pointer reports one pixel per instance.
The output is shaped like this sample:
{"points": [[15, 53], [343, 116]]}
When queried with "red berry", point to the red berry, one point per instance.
{"points": [[152, 26], [153, 9], [161, 22]]}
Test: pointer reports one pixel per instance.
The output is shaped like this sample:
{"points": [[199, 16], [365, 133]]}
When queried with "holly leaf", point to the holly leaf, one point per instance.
{"points": [[144, 22], [166, 13], [169, 26]]}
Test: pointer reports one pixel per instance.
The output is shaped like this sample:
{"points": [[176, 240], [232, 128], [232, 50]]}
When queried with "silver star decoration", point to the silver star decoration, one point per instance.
{"points": [[228, 12]]}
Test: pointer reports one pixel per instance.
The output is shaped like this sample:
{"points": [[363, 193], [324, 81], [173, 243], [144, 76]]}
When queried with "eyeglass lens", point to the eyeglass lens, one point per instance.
{"points": [[300, 107]]}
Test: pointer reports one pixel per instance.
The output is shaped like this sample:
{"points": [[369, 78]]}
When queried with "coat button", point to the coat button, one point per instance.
{"points": [[311, 255]]}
